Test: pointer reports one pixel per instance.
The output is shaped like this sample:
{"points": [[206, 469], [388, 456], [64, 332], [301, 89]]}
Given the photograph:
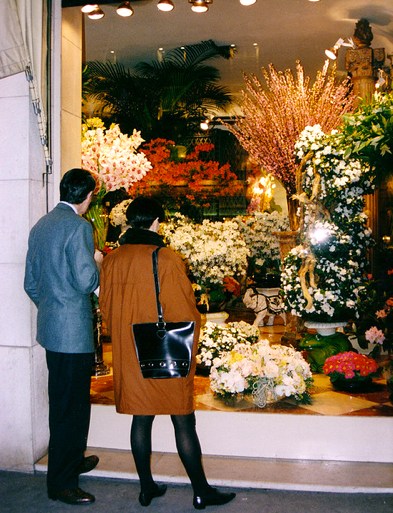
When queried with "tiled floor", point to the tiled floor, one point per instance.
{"points": [[325, 400], [263, 473]]}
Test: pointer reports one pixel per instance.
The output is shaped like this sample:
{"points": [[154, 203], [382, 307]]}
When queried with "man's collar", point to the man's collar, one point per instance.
{"points": [[70, 205]]}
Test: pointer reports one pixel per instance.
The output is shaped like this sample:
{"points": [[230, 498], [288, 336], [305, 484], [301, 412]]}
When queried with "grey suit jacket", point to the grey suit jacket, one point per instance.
{"points": [[60, 274]]}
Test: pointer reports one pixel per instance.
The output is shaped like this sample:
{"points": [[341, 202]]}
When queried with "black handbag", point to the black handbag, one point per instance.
{"points": [[163, 349]]}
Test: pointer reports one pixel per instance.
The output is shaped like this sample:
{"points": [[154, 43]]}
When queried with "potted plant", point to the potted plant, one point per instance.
{"points": [[350, 371]]}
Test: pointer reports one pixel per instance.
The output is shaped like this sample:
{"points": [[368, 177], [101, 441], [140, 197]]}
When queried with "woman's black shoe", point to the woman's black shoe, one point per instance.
{"points": [[145, 498], [212, 498]]}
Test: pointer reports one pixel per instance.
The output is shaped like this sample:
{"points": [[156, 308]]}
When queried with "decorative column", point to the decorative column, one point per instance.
{"points": [[363, 63]]}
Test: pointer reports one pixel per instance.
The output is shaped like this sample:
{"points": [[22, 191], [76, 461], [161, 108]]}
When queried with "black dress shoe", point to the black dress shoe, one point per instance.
{"points": [[72, 496], [145, 498], [212, 498], [87, 464]]}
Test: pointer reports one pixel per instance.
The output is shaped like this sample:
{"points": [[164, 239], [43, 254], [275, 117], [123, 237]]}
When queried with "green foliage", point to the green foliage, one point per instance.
{"points": [[166, 99], [368, 133]]}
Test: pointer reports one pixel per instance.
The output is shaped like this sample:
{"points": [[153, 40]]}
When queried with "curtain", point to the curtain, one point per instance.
{"points": [[13, 52], [23, 47]]}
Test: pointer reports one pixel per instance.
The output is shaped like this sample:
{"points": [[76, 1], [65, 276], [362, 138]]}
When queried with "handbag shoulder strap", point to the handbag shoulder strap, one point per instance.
{"points": [[157, 285]]}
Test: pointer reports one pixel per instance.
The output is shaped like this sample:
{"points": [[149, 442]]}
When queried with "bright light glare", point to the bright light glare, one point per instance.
{"points": [[320, 234]]}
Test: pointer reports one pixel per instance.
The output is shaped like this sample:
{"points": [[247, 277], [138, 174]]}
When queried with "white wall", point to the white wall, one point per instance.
{"points": [[24, 432], [23, 401]]}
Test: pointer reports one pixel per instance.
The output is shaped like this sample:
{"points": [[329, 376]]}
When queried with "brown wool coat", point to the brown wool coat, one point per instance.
{"points": [[127, 296]]}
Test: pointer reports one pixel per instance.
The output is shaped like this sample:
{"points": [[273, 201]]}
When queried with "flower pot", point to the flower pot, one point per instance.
{"points": [[217, 317], [355, 385], [325, 329], [326, 342], [287, 241]]}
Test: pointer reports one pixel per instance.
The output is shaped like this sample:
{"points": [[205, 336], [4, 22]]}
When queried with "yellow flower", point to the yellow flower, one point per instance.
{"points": [[235, 357]]}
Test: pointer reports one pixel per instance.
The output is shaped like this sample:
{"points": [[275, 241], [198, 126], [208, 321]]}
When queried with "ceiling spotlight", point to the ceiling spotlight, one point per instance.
{"points": [[86, 9], [332, 52], [204, 125], [125, 10], [97, 14], [165, 5], [200, 5], [247, 2]]}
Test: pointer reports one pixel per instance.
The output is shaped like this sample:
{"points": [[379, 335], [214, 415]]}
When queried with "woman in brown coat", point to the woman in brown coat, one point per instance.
{"points": [[127, 296]]}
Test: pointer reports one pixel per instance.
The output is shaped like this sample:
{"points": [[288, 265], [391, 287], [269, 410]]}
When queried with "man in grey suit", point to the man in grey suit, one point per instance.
{"points": [[62, 270]]}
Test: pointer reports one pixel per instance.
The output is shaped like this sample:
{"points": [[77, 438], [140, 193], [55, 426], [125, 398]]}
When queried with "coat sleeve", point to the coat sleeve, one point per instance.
{"points": [[30, 284], [80, 251]]}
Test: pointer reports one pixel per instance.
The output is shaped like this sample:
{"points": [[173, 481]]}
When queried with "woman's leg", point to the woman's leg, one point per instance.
{"points": [[189, 450], [190, 453], [141, 449]]}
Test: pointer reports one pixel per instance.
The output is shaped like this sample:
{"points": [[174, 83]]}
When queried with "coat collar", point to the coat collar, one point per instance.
{"points": [[140, 236]]}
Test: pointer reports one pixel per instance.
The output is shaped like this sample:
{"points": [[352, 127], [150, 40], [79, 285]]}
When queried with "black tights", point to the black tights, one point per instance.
{"points": [[187, 444]]}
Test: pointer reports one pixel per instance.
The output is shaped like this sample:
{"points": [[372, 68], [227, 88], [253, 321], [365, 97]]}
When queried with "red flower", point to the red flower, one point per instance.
{"points": [[350, 364]]}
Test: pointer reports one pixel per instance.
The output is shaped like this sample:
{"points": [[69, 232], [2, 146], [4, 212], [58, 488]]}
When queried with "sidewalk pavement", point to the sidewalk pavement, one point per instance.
{"points": [[26, 493]]}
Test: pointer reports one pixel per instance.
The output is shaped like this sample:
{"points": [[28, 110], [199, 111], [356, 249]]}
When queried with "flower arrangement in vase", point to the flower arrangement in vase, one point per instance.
{"points": [[112, 159], [350, 371], [215, 254], [267, 372]]}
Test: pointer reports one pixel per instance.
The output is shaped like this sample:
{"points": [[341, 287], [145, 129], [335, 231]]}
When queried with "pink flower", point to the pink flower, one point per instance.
{"points": [[374, 335], [350, 365], [381, 314]]}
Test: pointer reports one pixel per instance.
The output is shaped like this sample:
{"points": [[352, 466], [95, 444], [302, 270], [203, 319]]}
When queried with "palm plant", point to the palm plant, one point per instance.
{"points": [[167, 98]]}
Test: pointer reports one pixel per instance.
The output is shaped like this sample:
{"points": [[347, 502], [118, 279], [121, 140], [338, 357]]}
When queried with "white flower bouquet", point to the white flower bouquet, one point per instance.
{"points": [[216, 339], [215, 253], [257, 231], [111, 156], [117, 216], [243, 369]]}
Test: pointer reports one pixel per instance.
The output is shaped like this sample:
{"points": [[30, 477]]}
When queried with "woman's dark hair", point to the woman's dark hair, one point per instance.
{"points": [[76, 185], [142, 212]]}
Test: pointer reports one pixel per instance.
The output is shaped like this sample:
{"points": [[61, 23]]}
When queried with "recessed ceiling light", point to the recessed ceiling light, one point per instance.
{"points": [[89, 8], [165, 5], [125, 10]]}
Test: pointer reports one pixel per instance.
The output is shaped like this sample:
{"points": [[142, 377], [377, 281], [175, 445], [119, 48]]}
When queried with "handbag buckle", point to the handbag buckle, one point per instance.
{"points": [[161, 329]]}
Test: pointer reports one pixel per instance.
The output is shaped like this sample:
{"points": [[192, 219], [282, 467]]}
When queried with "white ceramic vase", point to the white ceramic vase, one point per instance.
{"points": [[217, 317], [324, 329]]}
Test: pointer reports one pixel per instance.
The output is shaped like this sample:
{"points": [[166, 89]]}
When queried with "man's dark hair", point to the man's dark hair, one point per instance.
{"points": [[76, 185], [142, 212]]}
